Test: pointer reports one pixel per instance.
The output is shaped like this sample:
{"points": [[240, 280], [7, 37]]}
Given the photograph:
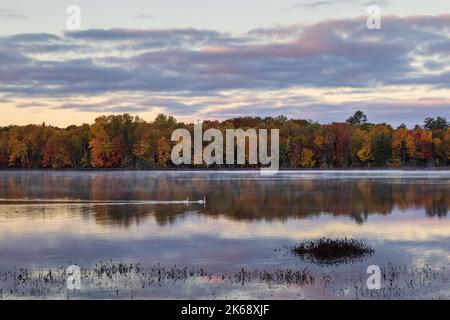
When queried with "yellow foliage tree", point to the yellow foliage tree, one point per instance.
{"points": [[307, 158], [365, 154], [163, 150]]}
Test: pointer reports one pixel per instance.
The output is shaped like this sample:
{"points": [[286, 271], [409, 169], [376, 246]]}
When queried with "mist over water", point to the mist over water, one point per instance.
{"points": [[52, 219]]}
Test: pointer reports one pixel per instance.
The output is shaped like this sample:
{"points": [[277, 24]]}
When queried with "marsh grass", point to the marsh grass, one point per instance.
{"points": [[326, 251], [112, 280]]}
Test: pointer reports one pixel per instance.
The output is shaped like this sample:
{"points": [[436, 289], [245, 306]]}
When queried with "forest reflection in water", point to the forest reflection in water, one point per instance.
{"points": [[52, 219], [243, 196]]}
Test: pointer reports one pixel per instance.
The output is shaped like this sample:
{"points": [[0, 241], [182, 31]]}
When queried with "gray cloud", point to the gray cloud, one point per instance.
{"points": [[325, 3], [31, 43], [144, 16], [200, 63], [8, 14], [154, 38], [125, 104], [31, 105], [327, 54]]}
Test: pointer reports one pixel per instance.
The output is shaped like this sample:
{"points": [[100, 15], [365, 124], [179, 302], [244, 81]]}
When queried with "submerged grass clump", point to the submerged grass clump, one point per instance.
{"points": [[332, 251]]}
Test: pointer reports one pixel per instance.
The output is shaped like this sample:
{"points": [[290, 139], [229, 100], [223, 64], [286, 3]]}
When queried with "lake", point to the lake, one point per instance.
{"points": [[132, 236]]}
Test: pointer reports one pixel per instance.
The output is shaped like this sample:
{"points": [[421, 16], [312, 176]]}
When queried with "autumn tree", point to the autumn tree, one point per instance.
{"points": [[18, 153], [144, 147], [112, 140], [4, 137], [365, 154], [323, 146], [56, 152], [78, 144], [307, 158], [342, 133], [381, 139], [423, 140], [358, 140], [441, 143], [403, 147], [163, 150], [100, 144]]}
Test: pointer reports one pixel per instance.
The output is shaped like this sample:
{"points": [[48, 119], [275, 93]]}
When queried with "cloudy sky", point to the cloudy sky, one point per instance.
{"points": [[205, 59]]}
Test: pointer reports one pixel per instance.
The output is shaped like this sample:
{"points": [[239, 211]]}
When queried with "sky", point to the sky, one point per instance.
{"points": [[207, 59]]}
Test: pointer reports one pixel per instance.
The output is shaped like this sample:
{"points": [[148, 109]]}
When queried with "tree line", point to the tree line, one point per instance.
{"points": [[124, 141]]}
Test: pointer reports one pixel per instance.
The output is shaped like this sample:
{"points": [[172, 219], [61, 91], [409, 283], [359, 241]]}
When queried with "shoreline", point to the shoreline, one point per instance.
{"points": [[405, 169]]}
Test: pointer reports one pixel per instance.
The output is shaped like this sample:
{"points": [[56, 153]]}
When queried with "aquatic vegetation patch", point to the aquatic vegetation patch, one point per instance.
{"points": [[111, 280], [332, 251]]}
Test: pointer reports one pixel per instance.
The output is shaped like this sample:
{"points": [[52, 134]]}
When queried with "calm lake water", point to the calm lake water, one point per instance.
{"points": [[235, 246]]}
